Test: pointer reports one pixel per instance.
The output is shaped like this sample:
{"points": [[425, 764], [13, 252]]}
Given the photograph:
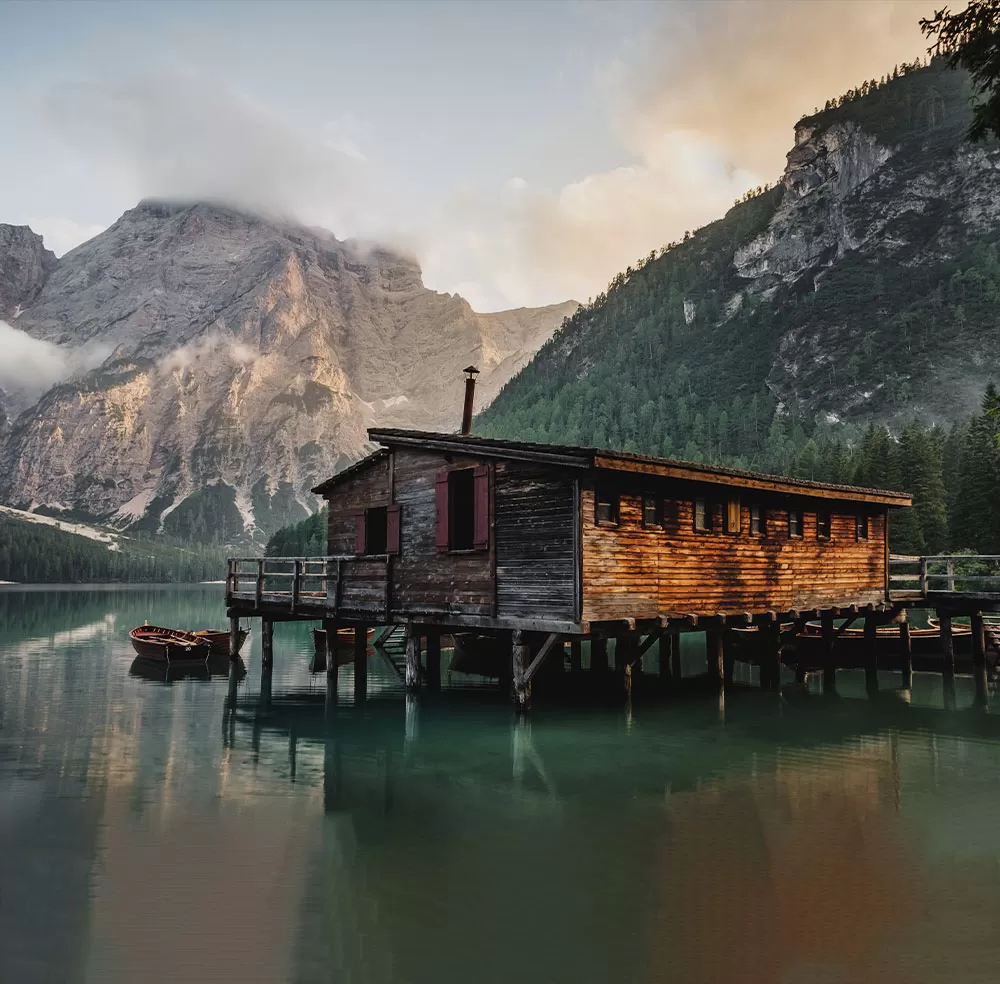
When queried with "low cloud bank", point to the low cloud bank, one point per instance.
{"points": [[29, 366]]}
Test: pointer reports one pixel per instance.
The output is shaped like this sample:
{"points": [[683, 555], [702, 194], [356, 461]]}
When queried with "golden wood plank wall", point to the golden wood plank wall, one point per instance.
{"points": [[630, 571]]}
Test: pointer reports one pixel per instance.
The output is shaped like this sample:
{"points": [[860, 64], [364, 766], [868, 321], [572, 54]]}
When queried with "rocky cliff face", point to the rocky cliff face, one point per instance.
{"points": [[24, 266], [239, 353]]}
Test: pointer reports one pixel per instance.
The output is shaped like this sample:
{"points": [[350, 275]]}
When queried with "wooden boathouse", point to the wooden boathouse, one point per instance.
{"points": [[542, 546]]}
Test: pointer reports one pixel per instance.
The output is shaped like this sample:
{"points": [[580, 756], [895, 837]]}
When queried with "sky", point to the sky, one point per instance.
{"points": [[524, 152]]}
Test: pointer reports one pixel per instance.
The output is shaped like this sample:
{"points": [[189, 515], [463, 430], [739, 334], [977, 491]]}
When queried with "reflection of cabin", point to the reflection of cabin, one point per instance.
{"points": [[471, 531]]}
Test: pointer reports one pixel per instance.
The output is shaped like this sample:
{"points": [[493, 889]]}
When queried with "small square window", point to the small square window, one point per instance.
{"points": [[823, 526], [702, 516], [756, 520], [651, 512], [862, 527], [794, 522], [607, 507], [733, 516]]}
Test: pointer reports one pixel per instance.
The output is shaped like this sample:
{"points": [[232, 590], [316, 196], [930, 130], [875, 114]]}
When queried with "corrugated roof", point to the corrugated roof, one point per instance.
{"points": [[602, 459]]}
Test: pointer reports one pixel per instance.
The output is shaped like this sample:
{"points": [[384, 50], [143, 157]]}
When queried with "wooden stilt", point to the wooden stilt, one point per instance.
{"points": [[360, 663], [266, 677], [716, 656], [520, 658], [676, 667], [330, 631], [267, 641], [664, 651], [829, 656], [575, 661], [871, 654], [728, 660], [433, 659], [770, 656], [234, 639], [947, 646], [979, 657], [412, 658], [599, 655], [906, 654]]}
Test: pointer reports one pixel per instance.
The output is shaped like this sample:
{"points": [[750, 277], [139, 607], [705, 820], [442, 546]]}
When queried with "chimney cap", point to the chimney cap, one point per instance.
{"points": [[471, 370]]}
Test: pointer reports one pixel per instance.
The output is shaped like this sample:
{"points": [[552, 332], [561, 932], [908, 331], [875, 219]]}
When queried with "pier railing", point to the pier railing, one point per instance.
{"points": [[968, 575], [300, 585]]}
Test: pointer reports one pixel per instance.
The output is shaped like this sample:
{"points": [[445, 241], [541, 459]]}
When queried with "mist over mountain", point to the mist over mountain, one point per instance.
{"points": [[217, 364]]}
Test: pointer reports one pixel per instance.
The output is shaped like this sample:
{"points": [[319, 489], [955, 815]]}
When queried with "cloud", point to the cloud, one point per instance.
{"points": [[706, 105], [30, 364], [171, 131], [61, 234]]}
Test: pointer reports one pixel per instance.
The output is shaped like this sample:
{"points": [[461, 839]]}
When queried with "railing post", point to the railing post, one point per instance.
{"points": [[296, 586], [951, 573], [229, 580], [236, 574], [260, 581], [923, 575]]}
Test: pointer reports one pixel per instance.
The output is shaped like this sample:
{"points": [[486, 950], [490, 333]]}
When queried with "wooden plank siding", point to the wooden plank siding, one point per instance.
{"points": [[632, 572], [424, 579], [535, 513]]}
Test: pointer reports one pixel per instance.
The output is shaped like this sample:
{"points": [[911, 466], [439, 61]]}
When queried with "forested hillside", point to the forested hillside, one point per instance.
{"points": [[841, 325], [31, 553]]}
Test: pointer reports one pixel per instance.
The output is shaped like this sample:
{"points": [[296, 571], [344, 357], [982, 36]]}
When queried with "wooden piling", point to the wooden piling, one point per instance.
{"points": [[715, 649], [234, 639], [947, 646], [267, 642], [906, 654], [433, 659], [829, 657], [770, 656], [330, 633], [360, 663], [676, 667], [871, 654], [575, 657], [728, 659], [599, 655], [979, 657], [520, 658], [412, 658]]}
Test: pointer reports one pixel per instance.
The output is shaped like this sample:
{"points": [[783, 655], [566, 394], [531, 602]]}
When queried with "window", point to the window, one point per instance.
{"points": [[862, 527], [651, 512], [702, 516], [733, 516], [794, 522], [462, 509], [377, 530], [607, 507], [756, 520], [822, 526]]}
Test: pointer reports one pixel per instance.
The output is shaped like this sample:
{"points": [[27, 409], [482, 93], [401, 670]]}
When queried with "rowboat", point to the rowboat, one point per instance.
{"points": [[168, 645]]}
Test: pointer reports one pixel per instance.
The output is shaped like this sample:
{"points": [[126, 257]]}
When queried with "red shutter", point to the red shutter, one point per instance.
{"points": [[441, 511], [392, 530], [359, 532], [481, 506]]}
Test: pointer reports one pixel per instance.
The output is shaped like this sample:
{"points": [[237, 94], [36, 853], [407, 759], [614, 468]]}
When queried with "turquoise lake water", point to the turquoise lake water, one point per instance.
{"points": [[152, 832]]}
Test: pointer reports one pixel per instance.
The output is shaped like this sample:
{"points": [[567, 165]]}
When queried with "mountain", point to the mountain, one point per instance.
{"points": [[862, 289], [229, 362]]}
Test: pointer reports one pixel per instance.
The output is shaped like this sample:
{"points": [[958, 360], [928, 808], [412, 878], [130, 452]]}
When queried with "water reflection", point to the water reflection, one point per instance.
{"points": [[156, 830]]}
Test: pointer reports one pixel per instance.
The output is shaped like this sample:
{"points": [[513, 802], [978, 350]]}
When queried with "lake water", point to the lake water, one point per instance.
{"points": [[149, 832]]}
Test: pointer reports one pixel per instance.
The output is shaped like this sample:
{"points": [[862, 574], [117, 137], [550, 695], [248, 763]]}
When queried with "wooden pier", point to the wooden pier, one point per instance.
{"points": [[529, 551]]}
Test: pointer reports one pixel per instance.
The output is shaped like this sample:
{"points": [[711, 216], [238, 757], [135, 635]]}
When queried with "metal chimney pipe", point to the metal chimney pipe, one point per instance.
{"points": [[470, 397]]}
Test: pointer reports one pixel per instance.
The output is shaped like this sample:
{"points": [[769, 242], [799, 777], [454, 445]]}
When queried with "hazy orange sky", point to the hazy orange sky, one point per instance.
{"points": [[525, 152]]}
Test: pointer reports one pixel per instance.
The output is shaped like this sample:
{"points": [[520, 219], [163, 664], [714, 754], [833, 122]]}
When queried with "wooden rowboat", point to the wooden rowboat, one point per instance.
{"points": [[168, 645]]}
